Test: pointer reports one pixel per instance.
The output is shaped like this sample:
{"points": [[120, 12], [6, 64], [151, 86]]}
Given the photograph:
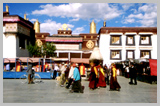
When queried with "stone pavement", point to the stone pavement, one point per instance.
{"points": [[49, 92]]}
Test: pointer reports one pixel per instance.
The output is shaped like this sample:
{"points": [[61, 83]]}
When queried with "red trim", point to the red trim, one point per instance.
{"points": [[64, 40], [16, 20], [9, 19]]}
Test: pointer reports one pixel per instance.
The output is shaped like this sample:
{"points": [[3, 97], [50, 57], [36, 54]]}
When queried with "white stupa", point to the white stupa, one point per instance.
{"points": [[96, 55]]}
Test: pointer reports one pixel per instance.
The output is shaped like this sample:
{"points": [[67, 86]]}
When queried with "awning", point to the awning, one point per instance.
{"points": [[60, 59], [22, 59], [80, 60], [9, 60]]}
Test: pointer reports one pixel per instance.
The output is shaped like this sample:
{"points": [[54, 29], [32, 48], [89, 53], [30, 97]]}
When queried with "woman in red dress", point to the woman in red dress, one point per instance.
{"points": [[114, 85], [93, 77], [101, 77]]}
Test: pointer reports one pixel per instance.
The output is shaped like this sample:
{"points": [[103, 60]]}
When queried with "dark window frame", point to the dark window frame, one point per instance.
{"points": [[150, 42], [116, 36], [115, 58], [133, 40], [22, 42], [127, 54], [145, 51]]}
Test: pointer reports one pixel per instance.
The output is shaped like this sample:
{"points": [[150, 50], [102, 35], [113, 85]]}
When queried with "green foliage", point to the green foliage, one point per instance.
{"points": [[47, 50]]}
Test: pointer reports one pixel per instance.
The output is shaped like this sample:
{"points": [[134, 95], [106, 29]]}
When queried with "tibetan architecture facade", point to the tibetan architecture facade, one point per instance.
{"points": [[18, 32], [70, 46], [115, 43], [122, 43]]}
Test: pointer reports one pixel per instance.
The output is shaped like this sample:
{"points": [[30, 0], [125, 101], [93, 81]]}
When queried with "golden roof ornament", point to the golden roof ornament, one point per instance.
{"points": [[92, 27], [64, 26], [7, 8], [104, 23], [25, 16], [37, 26]]}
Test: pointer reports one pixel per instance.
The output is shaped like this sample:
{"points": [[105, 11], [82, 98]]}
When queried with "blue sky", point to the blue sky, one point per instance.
{"points": [[79, 15]]}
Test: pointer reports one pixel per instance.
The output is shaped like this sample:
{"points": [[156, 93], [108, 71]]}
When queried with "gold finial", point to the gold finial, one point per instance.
{"points": [[69, 28], [7, 8], [25, 16], [37, 26], [64, 26], [92, 27], [60, 28], [104, 23]]}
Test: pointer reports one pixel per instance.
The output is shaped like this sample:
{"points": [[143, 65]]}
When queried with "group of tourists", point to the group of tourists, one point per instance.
{"points": [[69, 74]]}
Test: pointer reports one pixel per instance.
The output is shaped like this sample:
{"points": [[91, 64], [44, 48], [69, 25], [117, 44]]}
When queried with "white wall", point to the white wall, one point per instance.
{"points": [[154, 45], [9, 45], [104, 46]]}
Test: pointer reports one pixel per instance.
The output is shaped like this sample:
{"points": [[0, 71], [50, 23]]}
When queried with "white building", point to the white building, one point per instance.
{"points": [[121, 43], [18, 32]]}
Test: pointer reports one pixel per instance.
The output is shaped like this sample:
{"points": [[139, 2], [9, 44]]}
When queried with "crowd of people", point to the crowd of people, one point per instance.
{"points": [[69, 76]]}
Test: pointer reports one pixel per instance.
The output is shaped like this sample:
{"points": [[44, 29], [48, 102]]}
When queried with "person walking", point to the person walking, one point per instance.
{"points": [[101, 77], [114, 85], [30, 74], [62, 78], [133, 74], [76, 87], [56, 68], [107, 72], [93, 76], [70, 76]]}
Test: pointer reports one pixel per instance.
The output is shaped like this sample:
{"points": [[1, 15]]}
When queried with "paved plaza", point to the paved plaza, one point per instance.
{"points": [[49, 92]]}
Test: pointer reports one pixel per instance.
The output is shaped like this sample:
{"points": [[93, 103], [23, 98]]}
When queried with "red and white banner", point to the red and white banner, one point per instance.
{"points": [[153, 66]]}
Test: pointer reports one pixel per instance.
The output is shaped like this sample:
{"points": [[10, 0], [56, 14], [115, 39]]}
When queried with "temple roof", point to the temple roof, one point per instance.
{"points": [[128, 29], [64, 39]]}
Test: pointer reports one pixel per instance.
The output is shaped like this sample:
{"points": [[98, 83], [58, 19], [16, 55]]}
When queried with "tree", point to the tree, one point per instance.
{"points": [[47, 49], [35, 50]]}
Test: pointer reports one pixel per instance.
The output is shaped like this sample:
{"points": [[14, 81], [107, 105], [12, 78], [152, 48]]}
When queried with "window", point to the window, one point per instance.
{"points": [[145, 40], [22, 42], [145, 54], [115, 40], [130, 40], [130, 54], [115, 55]]}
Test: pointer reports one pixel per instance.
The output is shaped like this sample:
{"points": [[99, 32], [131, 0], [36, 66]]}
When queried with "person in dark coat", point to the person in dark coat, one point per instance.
{"points": [[107, 72], [76, 87], [133, 74], [30, 74]]}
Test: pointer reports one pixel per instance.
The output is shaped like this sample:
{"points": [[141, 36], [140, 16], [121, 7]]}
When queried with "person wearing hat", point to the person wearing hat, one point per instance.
{"points": [[114, 85], [76, 87]]}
